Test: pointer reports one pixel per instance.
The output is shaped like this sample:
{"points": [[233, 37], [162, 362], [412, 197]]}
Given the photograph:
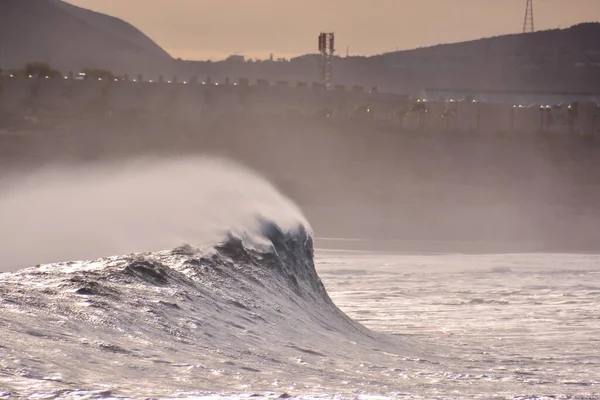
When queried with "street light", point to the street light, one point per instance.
{"points": [[542, 108]]}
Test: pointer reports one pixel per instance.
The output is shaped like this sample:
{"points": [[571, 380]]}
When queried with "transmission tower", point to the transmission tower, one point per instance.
{"points": [[327, 49], [528, 26]]}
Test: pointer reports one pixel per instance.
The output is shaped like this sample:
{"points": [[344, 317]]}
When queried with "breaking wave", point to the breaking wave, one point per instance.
{"points": [[238, 316], [249, 314]]}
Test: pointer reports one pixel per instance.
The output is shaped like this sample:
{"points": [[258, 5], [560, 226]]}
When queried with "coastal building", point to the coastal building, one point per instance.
{"points": [[510, 111], [436, 110]]}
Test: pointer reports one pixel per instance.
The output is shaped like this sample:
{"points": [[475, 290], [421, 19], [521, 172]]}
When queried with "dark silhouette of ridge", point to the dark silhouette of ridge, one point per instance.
{"points": [[565, 60], [559, 60], [578, 40], [71, 38]]}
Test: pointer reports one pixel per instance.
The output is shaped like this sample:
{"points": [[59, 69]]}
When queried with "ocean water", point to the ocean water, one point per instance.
{"points": [[255, 311], [506, 325], [251, 317]]}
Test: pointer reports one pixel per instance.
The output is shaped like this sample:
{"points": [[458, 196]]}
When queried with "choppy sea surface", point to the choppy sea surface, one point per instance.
{"points": [[264, 317], [507, 326]]}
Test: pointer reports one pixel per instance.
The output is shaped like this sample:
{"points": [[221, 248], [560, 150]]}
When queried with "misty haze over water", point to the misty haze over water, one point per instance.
{"points": [[516, 193]]}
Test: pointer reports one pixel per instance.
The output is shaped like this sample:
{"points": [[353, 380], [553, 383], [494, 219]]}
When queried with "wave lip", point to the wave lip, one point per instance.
{"points": [[247, 310], [142, 205]]}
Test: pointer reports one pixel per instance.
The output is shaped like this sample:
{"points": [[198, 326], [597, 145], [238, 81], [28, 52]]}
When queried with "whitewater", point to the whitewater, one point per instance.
{"points": [[205, 283]]}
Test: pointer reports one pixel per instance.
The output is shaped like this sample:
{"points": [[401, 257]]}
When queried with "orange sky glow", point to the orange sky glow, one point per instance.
{"points": [[214, 29]]}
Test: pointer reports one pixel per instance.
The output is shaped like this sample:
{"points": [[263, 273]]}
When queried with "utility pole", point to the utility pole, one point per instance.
{"points": [[528, 26], [327, 49]]}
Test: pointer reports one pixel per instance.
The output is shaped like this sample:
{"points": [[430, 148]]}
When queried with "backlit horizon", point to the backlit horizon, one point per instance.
{"points": [[215, 29]]}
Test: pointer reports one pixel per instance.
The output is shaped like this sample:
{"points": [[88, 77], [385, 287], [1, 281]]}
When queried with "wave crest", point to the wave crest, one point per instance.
{"points": [[61, 213]]}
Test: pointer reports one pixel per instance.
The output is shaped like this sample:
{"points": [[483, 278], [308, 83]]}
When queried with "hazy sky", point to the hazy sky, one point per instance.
{"points": [[200, 29]]}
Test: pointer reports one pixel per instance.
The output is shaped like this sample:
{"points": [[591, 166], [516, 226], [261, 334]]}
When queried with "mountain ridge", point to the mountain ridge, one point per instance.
{"points": [[71, 38], [559, 60], [128, 31]]}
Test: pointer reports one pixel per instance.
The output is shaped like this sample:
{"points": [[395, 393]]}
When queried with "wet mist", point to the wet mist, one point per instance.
{"points": [[94, 210], [399, 191]]}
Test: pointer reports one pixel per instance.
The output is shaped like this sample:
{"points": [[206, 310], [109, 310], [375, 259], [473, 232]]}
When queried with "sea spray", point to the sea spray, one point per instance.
{"points": [[65, 213]]}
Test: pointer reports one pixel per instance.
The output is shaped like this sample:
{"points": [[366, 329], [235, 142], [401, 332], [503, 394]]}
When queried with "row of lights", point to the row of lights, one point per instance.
{"points": [[81, 74], [542, 107], [117, 80], [451, 101]]}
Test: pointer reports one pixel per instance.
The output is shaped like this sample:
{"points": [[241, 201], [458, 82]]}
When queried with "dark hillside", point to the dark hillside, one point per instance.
{"points": [[557, 60], [113, 26], [72, 38], [566, 60]]}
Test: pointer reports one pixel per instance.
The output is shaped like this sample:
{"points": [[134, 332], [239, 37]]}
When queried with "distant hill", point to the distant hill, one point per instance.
{"points": [[564, 59], [561, 60], [72, 38]]}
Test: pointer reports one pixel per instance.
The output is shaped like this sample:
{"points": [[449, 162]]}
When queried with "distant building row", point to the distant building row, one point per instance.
{"points": [[189, 100], [184, 99]]}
